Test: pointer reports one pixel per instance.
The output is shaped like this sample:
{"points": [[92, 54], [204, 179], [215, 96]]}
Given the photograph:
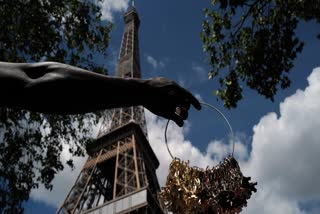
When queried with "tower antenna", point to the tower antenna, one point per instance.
{"points": [[132, 3]]}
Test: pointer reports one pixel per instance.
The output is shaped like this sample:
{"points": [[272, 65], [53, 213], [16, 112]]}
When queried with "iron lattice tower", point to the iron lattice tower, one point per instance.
{"points": [[119, 175]]}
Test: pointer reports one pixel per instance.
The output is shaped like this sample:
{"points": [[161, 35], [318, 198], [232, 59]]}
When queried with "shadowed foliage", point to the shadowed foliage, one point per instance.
{"points": [[253, 43], [31, 143]]}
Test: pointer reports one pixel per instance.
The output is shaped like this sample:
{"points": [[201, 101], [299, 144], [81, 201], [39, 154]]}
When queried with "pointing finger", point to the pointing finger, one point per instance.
{"points": [[194, 101], [177, 119]]}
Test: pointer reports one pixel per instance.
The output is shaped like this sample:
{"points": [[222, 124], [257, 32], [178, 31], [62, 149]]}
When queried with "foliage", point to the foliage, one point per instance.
{"points": [[30, 149], [63, 31], [254, 43], [31, 143]]}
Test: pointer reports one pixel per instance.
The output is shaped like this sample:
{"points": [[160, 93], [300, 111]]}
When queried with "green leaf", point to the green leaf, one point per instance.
{"points": [[253, 42]]}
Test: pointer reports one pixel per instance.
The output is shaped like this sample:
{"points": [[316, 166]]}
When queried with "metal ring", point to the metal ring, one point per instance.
{"points": [[213, 108], [178, 111]]}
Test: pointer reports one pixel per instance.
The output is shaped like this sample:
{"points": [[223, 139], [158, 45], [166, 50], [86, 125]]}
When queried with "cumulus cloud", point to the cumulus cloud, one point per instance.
{"points": [[65, 179], [183, 148], [109, 7], [284, 157], [155, 63], [285, 153], [62, 183], [178, 145]]}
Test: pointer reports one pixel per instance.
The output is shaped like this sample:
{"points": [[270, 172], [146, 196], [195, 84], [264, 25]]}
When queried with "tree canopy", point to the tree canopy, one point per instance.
{"points": [[253, 43], [64, 31]]}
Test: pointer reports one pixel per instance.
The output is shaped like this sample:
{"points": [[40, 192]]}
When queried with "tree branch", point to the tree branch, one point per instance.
{"points": [[240, 24]]}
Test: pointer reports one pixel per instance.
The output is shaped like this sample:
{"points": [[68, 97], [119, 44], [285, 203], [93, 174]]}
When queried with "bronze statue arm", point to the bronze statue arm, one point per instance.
{"points": [[56, 88]]}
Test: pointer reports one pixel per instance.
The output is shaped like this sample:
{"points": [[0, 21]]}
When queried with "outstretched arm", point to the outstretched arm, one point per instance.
{"points": [[57, 88]]}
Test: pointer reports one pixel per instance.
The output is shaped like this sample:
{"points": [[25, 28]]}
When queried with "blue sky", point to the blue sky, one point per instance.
{"points": [[277, 142]]}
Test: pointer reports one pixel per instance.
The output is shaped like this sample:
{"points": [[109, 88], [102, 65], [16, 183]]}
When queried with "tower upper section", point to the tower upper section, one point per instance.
{"points": [[129, 59], [128, 66]]}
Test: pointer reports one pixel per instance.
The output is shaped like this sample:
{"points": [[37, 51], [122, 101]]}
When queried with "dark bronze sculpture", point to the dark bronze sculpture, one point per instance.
{"points": [[57, 88]]}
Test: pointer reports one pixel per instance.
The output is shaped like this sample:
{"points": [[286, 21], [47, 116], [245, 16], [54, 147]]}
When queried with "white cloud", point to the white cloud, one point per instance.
{"points": [[155, 63], [183, 149], [198, 68], [65, 179], [198, 96], [200, 71], [285, 152], [179, 146], [62, 182], [182, 82], [109, 7], [284, 158], [152, 61]]}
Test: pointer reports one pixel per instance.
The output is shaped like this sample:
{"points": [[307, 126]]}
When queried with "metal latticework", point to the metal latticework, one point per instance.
{"points": [[121, 165], [128, 67], [119, 175], [130, 170], [121, 116]]}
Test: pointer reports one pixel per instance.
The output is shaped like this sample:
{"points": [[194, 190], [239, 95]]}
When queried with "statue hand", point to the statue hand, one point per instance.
{"points": [[167, 99]]}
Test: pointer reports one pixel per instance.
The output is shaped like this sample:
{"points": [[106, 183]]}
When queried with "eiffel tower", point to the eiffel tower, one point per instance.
{"points": [[120, 173]]}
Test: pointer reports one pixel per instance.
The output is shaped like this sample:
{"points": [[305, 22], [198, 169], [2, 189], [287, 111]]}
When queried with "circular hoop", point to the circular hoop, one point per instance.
{"points": [[215, 109]]}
